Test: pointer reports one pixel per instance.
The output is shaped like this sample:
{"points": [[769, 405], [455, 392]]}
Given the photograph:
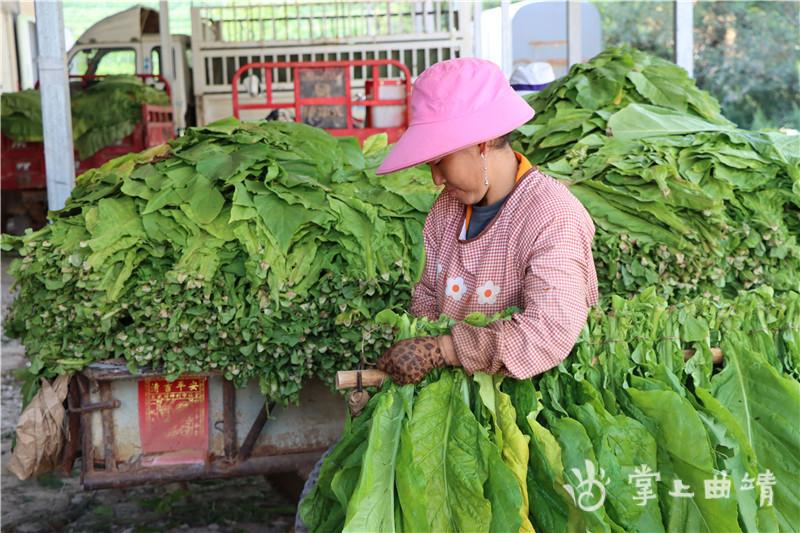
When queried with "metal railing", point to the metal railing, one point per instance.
{"points": [[417, 34], [338, 91], [304, 21]]}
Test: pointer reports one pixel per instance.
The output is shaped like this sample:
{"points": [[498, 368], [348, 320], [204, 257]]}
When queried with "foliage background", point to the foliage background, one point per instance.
{"points": [[747, 54]]}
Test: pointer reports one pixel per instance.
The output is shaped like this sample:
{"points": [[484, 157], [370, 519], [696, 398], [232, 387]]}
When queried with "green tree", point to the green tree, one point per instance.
{"points": [[646, 26], [747, 54]]}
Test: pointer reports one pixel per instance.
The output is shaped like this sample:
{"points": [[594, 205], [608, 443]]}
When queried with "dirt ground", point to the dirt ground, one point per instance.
{"points": [[56, 503]]}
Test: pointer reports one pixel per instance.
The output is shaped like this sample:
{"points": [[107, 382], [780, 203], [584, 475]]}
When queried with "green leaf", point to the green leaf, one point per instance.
{"points": [[113, 220], [767, 405], [284, 220], [205, 201], [640, 121], [450, 451], [550, 506], [514, 451], [375, 143], [372, 505], [684, 454]]}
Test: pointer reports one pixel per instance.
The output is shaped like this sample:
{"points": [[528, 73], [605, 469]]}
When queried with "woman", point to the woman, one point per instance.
{"points": [[501, 234]]}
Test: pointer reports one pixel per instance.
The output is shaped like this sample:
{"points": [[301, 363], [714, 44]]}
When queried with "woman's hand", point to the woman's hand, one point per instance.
{"points": [[410, 360]]}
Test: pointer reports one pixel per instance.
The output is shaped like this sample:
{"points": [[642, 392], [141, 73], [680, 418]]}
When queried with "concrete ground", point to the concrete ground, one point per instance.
{"points": [[57, 503]]}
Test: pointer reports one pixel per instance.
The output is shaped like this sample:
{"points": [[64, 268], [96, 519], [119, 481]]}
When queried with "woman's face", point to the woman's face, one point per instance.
{"points": [[461, 173]]}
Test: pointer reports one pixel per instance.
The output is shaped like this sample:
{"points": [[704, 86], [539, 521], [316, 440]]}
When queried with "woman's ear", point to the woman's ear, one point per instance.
{"points": [[482, 148]]}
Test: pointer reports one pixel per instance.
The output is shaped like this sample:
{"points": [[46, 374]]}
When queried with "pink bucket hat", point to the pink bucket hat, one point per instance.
{"points": [[455, 104]]}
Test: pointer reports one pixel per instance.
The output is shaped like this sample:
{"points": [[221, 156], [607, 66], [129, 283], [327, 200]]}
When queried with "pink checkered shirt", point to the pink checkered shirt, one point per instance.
{"points": [[536, 255]]}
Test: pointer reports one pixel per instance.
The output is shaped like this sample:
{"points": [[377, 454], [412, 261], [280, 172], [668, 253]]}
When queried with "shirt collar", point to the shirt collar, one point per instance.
{"points": [[523, 165]]}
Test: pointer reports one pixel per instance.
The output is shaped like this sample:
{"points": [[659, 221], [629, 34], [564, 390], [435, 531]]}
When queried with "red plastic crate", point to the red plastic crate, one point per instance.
{"points": [[23, 164], [158, 123]]}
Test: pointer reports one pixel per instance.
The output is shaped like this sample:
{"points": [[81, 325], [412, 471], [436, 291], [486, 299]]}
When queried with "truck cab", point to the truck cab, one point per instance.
{"points": [[129, 43]]}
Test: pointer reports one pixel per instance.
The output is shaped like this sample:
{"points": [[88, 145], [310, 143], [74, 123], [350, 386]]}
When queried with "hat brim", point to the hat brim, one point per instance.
{"points": [[425, 142]]}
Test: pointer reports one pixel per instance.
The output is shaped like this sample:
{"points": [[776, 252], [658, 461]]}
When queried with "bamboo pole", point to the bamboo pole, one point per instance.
{"points": [[348, 379], [716, 355]]}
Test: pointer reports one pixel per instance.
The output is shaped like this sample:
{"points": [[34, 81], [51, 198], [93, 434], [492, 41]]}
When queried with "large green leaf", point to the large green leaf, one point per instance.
{"points": [[621, 445], [736, 456], [450, 452], [372, 505], [685, 455], [510, 439], [321, 510], [550, 506], [767, 405], [639, 121], [580, 464], [284, 220]]}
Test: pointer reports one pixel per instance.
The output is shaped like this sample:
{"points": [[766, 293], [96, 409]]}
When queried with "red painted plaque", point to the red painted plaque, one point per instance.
{"points": [[173, 419]]}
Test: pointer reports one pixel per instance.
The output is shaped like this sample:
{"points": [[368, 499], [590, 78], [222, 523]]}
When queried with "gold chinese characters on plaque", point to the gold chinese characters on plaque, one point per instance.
{"points": [[173, 416]]}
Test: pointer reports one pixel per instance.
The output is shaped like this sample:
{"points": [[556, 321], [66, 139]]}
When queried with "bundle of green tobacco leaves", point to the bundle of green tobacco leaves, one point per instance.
{"points": [[681, 197], [623, 436], [446, 455], [102, 114], [263, 250]]}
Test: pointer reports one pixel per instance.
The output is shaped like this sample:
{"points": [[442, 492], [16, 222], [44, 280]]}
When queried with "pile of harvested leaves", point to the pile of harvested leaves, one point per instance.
{"points": [[263, 250], [623, 436], [102, 114], [681, 197]]}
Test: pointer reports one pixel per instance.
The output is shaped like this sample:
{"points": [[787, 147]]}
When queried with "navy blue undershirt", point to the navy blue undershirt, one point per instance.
{"points": [[482, 215]]}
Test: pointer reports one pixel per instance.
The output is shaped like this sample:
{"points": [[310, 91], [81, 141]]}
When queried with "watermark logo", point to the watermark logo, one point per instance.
{"points": [[590, 492], [765, 481], [643, 479], [718, 488], [679, 490]]}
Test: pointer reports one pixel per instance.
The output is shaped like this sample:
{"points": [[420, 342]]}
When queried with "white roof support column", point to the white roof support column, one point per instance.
{"points": [[573, 32], [167, 63], [56, 113], [505, 35], [684, 35], [477, 10]]}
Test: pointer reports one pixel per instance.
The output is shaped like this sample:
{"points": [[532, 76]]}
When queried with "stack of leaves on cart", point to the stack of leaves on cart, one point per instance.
{"points": [[103, 114], [262, 250], [623, 436], [681, 197]]}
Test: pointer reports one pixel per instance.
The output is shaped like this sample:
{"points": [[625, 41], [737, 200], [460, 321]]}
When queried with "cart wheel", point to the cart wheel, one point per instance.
{"points": [[311, 480]]}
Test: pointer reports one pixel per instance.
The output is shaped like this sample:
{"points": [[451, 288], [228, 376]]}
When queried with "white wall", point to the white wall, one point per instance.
{"points": [[26, 51], [17, 45], [9, 80]]}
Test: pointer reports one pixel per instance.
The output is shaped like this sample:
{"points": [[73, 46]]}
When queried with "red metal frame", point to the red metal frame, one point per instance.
{"points": [[299, 102]]}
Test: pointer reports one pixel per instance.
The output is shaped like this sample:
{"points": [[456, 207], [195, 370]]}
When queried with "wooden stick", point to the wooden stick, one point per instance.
{"points": [[716, 355], [348, 379]]}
